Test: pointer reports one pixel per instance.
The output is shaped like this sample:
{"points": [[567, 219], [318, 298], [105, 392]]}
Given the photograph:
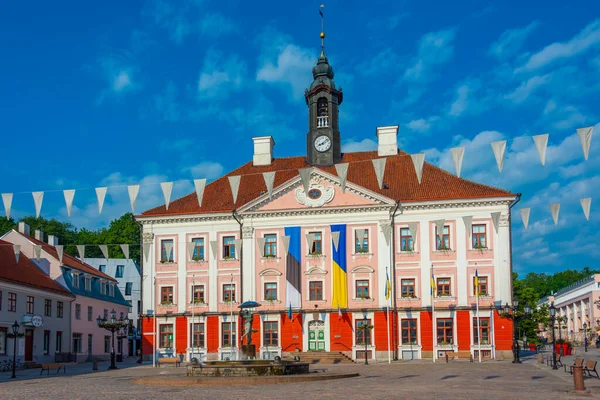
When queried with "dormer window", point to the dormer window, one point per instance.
{"points": [[322, 113], [88, 284], [103, 288], [111, 290], [75, 277]]}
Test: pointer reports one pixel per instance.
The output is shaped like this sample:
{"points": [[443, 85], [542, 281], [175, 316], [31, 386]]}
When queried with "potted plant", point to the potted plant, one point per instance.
{"points": [[362, 251], [568, 349], [166, 303], [198, 259], [559, 343]]}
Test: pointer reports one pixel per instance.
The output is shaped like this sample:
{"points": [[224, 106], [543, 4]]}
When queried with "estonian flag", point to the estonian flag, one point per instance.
{"points": [[290, 312], [476, 282], [388, 286], [321, 9]]}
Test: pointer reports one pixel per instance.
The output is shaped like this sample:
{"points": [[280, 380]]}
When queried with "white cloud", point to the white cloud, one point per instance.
{"points": [[352, 146], [421, 125], [122, 81], [527, 88], [118, 73], [435, 49], [512, 40], [220, 74], [216, 25], [459, 105], [207, 169], [385, 60], [291, 66]]}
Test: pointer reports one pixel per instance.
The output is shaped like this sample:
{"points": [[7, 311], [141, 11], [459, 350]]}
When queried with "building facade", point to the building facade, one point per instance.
{"points": [[317, 248]]}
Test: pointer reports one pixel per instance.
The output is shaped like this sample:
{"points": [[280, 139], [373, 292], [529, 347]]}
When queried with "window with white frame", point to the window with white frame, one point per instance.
{"points": [[166, 245], [88, 283], [270, 245], [75, 277], [443, 240], [228, 292], [406, 240], [198, 254], [361, 241], [270, 291], [198, 294]]}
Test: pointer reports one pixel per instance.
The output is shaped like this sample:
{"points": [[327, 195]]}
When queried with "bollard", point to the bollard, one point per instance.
{"points": [[95, 364], [540, 358], [578, 377]]}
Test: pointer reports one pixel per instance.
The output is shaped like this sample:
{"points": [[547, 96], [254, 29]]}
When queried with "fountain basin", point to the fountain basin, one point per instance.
{"points": [[247, 368]]}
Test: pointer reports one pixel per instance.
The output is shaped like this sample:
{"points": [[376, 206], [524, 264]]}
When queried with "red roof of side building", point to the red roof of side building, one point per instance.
{"points": [[25, 272], [400, 176]]}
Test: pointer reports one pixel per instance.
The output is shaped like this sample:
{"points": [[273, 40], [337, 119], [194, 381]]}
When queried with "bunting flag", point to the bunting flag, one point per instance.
{"points": [[234, 184], [388, 285], [541, 143], [167, 189], [525, 216], [190, 250], [342, 172], [69, 196], [285, 244], [38, 198], [439, 226], [310, 238], [147, 247], [335, 238], [499, 149], [386, 229], [340, 282], [379, 166], [37, 251], [214, 246], [125, 250], [496, 220], [104, 250], [169, 250], [200, 184], [458, 154], [238, 248], [133, 191], [269, 178], [554, 209], [81, 251], [412, 228], [59, 251], [17, 250], [586, 204], [585, 137], [7, 200], [293, 269], [100, 195], [468, 221], [418, 162], [261, 245], [305, 178]]}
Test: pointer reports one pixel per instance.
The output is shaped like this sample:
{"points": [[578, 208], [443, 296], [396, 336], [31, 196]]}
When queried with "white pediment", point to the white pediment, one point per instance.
{"points": [[362, 270], [270, 272], [315, 271]]}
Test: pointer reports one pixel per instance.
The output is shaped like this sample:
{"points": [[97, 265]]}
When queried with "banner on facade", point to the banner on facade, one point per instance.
{"points": [[340, 283], [293, 269]]}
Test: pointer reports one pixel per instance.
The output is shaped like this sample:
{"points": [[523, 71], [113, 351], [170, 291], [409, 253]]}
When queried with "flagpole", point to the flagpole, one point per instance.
{"points": [[231, 321], [388, 318], [478, 320], [431, 284], [154, 326], [193, 312]]}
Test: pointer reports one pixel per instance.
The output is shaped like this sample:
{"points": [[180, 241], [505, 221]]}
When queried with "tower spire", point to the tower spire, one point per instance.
{"points": [[322, 29]]}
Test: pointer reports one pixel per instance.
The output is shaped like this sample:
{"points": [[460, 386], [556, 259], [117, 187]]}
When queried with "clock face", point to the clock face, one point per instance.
{"points": [[322, 143]]}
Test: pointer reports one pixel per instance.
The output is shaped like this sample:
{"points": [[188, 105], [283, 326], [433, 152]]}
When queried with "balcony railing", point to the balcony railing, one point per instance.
{"points": [[323, 122]]}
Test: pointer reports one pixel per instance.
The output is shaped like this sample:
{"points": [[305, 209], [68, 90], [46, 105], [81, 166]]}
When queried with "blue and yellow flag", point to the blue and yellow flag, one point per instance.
{"points": [[388, 286], [432, 285], [476, 283], [340, 282]]}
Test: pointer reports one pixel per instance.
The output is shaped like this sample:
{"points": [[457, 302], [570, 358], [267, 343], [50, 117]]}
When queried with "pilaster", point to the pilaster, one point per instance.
{"points": [[248, 274]]}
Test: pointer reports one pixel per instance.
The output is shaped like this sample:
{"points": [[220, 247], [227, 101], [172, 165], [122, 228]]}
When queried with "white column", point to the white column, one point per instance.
{"points": [[425, 263], [181, 273], [213, 288], [502, 260], [461, 264], [249, 276], [383, 250], [149, 271]]}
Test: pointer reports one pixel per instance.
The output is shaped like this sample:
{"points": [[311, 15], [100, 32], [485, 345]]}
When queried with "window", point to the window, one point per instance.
{"points": [[0, 300], [77, 311], [483, 286], [107, 344], [166, 295], [128, 287], [58, 341], [198, 294], [270, 245], [166, 336], [478, 234], [90, 313], [322, 113], [59, 309], [362, 289], [407, 288], [46, 342], [315, 290], [317, 247], [102, 268], [111, 290], [270, 291], [48, 307], [406, 240], [198, 253], [228, 338], [270, 333], [164, 257], [77, 342], [361, 245], [102, 288], [75, 278], [409, 331], [30, 305], [228, 247], [444, 330], [443, 287], [197, 334], [485, 331], [3, 332], [444, 242], [121, 268], [12, 302], [363, 335], [88, 283], [229, 292]]}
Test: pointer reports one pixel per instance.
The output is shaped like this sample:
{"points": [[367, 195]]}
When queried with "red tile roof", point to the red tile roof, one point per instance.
{"points": [[25, 272], [400, 176]]}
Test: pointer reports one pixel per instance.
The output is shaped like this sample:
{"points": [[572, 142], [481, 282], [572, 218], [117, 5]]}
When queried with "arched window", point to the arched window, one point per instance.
{"points": [[322, 113]]}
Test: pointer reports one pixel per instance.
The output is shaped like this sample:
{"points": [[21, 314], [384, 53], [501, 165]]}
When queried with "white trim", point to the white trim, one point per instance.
{"points": [[416, 241], [418, 295], [370, 315], [416, 315]]}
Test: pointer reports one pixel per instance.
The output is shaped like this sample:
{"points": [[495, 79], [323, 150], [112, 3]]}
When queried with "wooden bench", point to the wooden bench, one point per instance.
{"points": [[166, 360], [460, 355], [589, 367], [58, 366], [578, 363]]}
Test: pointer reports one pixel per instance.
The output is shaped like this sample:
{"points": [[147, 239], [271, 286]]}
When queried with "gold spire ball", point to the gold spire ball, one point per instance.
{"points": [[322, 35]]}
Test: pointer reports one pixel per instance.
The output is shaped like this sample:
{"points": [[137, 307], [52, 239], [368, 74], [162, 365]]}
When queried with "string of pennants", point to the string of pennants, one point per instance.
{"points": [[418, 160]]}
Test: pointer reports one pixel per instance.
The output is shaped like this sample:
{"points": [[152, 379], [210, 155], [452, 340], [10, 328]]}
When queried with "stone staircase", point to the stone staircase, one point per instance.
{"points": [[323, 357]]}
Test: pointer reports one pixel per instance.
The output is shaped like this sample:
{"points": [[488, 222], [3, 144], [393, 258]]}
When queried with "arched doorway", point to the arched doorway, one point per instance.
{"points": [[316, 336]]}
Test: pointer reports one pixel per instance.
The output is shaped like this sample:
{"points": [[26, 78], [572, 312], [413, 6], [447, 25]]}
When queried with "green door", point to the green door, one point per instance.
{"points": [[316, 336]]}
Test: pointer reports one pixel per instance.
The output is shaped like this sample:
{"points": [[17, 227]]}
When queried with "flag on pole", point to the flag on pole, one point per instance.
{"points": [[321, 9], [432, 285], [290, 312], [388, 285], [476, 284]]}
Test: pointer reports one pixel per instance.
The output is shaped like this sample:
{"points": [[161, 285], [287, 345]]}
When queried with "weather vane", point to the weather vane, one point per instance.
{"points": [[322, 28]]}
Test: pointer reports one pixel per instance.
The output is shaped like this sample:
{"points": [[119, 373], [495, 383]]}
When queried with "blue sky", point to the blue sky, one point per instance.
{"points": [[150, 91]]}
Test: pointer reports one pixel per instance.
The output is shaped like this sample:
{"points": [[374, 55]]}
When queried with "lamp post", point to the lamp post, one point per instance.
{"points": [[15, 335], [112, 325], [552, 319], [585, 336], [512, 313]]}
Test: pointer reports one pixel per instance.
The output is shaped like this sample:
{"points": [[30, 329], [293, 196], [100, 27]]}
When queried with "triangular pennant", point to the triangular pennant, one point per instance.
{"points": [[59, 251], [169, 250], [125, 250], [305, 178], [342, 172], [439, 225], [69, 195], [285, 244], [167, 189], [379, 166], [458, 154], [238, 247], [555, 209], [541, 144], [496, 220], [104, 250], [133, 193], [269, 178], [100, 195], [335, 238], [17, 250], [38, 198], [585, 137], [310, 238], [7, 200], [412, 227], [37, 251], [214, 246], [200, 184], [418, 161], [499, 149], [261, 245], [234, 183], [81, 251], [147, 247], [190, 249], [586, 204], [468, 221], [386, 229], [525, 216]]}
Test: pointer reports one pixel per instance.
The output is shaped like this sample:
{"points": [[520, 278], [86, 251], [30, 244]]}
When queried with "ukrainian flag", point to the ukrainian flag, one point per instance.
{"points": [[476, 283], [340, 283], [433, 287], [388, 286]]}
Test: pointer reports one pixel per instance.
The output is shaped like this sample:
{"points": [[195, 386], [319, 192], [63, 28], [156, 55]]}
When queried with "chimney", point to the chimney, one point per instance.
{"points": [[39, 235], [263, 150], [387, 140], [24, 228], [52, 240]]}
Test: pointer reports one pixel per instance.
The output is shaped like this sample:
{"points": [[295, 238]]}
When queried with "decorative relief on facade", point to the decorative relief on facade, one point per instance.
{"points": [[247, 232], [317, 196], [147, 237], [503, 220]]}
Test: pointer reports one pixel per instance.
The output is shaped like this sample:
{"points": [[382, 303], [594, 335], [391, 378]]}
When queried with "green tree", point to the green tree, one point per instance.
{"points": [[6, 225]]}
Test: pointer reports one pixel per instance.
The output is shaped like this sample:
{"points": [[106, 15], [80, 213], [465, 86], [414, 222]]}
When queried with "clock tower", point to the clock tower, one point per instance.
{"points": [[323, 144]]}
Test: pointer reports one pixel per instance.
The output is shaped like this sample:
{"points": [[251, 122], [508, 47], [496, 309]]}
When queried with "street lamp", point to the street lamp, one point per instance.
{"points": [[112, 325], [512, 313], [585, 336], [15, 335], [552, 319]]}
